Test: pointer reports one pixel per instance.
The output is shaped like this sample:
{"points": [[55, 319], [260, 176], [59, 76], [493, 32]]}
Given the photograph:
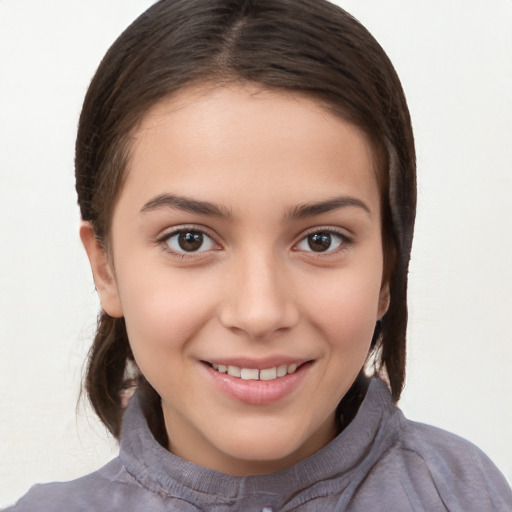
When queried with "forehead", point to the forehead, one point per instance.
{"points": [[224, 140]]}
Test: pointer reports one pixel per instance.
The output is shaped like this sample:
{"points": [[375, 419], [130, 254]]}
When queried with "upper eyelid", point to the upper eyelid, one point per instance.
{"points": [[323, 229], [347, 241], [171, 231], [163, 239]]}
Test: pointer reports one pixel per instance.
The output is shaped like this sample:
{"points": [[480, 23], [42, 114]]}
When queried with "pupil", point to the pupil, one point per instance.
{"points": [[319, 242], [190, 240]]}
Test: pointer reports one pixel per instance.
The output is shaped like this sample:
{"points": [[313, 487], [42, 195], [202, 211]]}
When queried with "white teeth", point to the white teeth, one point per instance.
{"points": [[254, 373], [282, 370], [268, 374], [250, 374], [234, 371]]}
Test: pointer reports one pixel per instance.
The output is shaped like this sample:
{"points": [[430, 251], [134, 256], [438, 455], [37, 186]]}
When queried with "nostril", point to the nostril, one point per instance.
{"points": [[259, 320]]}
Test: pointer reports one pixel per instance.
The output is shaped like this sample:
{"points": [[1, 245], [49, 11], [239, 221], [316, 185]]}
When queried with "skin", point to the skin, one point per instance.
{"points": [[255, 289]]}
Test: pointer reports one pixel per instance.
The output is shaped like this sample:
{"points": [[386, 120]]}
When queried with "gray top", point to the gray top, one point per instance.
{"points": [[380, 462]]}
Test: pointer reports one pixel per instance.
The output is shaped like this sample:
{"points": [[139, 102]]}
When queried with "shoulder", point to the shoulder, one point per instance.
{"points": [[109, 488], [420, 467], [459, 472]]}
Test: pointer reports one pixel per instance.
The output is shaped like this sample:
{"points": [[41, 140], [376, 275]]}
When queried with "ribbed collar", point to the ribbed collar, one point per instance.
{"points": [[344, 462]]}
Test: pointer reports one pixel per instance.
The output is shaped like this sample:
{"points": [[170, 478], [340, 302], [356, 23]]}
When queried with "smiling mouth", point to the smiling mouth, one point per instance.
{"points": [[273, 373]]}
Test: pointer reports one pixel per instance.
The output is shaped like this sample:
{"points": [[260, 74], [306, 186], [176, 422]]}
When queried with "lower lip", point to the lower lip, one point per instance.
{"points": [[257, 392]]}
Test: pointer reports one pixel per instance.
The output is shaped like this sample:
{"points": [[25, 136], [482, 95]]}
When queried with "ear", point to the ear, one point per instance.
{"points": [[102, 272], [384, 300]]}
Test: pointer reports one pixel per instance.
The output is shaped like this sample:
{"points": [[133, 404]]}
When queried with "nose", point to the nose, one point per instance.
{"points": [[258, 299]]}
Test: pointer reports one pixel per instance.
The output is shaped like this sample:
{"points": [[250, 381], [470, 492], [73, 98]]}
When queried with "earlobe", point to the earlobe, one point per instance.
{"points": [[102, 271], [384, 300]]}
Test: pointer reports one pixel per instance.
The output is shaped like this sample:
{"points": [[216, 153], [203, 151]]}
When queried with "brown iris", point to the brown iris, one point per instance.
{"points": [[190, 240], [320, 242]]}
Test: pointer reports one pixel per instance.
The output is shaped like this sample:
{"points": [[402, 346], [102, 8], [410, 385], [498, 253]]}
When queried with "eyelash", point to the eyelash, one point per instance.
{"points": [[164, 240], [344, 242]]}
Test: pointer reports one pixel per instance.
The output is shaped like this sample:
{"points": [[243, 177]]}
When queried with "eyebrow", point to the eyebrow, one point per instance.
{"points": [[186, 204], [316, 208], [301, 211]]}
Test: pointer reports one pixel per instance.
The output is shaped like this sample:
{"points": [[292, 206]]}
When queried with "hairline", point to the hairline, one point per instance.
{"points": [[379, 151]]}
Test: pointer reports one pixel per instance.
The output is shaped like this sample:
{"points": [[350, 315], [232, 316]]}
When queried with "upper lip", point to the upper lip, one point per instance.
{"points": [[257, 364]]}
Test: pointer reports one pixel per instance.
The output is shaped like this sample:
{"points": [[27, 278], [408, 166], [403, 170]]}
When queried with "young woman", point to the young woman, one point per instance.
{"points": [[246, 179]]}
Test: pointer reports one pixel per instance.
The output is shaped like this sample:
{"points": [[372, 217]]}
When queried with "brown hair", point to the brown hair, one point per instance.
{"points": [[309, 46]]}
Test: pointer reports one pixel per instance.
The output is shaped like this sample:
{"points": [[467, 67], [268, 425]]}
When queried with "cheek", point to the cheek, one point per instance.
{"points": [[163, 313], [346, 308]]}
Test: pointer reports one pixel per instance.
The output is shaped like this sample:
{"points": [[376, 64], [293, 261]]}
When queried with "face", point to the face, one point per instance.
{"points": [[247, 262]]}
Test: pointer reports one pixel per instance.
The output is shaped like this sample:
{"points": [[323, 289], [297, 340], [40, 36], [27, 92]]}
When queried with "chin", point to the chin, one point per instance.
{"points": [[264, 450]]}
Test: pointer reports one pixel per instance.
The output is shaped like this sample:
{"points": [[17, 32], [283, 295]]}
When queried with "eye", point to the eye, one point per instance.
{"points": [[322, 241], [189, 241]]}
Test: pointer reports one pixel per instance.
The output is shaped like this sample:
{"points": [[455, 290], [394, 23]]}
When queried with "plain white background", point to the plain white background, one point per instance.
{"points": [[455, 61]]}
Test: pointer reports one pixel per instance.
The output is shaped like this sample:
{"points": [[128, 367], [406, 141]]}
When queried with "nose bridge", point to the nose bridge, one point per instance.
{"points": [[257, 300]]}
